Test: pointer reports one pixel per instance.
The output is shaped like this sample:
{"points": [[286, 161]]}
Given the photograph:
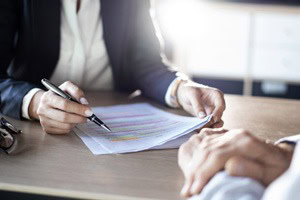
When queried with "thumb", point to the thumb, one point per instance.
{"points": [[198, 108], [240, 166], [218, 111]]}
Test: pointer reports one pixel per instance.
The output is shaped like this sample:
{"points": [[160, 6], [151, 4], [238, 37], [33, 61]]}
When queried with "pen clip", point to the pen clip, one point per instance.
{"points": [[71, 98]]}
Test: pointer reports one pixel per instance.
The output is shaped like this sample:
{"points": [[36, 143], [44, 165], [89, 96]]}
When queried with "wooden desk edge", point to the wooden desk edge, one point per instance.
{"points": [[64, 193]]}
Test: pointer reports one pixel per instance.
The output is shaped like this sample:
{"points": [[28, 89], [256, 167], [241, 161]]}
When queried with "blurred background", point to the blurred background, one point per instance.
{"points": [[246, 47]]}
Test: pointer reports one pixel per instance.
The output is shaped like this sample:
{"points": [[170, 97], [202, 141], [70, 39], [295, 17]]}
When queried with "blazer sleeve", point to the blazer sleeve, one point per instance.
{"points": [[148, 71], [12, 91]]}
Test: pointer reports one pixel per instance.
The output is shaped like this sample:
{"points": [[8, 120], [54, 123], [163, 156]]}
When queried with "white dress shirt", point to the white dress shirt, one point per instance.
{"points": [[83, 56]]}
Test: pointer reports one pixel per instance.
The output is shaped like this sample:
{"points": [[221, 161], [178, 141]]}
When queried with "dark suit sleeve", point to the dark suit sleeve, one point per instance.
{"points": [[11, 91], [149, 73]]}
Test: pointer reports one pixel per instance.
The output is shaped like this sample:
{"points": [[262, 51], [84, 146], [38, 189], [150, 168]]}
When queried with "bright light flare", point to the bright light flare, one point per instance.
{"points": [[180, 18]]}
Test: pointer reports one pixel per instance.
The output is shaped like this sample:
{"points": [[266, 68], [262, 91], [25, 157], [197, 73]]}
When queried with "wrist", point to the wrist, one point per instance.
{"points": [[179, 90], [34, 105]]}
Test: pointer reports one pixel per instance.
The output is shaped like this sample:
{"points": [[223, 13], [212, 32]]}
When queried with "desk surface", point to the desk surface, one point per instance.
{"points": [[63, 165]]}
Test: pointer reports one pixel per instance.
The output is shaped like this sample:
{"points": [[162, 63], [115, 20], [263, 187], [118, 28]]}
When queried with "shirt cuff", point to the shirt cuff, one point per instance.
{"points": [[168, 97], [291, 139], [171, 94], [26, 101]]}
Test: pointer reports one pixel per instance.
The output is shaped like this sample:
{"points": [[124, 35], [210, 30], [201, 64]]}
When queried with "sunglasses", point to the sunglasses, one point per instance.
{"points": [[8, 134]]}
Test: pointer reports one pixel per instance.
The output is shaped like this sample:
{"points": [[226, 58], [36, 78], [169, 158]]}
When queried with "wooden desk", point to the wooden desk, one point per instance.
{"points": [[63, 165]]}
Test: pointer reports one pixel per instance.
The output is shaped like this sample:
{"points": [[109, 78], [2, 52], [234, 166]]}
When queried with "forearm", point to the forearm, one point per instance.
{"points": [[145, 67], [12, 93]]}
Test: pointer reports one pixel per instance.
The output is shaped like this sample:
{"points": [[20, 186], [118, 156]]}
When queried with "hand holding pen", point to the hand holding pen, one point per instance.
{"points": [[50, 86], [58, 115]]}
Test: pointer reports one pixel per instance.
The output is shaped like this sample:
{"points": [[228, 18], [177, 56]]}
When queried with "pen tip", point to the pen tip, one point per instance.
{"points": [[100, 123], [106, 128]]}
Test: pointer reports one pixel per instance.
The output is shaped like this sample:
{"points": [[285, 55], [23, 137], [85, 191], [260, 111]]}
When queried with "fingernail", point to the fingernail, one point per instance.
{"points": [[184, 190], [84, 101], [195, 187], [88, 113], [201, 114]]}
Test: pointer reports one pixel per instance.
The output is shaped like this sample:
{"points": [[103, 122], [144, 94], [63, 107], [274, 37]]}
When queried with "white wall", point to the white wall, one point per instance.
{"points": [[245, 44]]}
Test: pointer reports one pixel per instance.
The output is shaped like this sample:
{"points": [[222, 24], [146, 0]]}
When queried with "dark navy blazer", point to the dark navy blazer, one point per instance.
{"points": [[30, 44]]}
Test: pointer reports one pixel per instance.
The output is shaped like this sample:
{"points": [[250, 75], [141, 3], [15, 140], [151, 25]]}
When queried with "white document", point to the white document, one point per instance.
{"points": [[136, 127]]}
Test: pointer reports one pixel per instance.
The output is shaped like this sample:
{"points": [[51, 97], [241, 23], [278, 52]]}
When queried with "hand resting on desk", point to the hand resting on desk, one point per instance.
{"points": [[236, 151], [56, 114]]}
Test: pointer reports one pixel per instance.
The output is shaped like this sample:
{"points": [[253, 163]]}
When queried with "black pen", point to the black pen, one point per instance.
{"points": [[56, 90]]}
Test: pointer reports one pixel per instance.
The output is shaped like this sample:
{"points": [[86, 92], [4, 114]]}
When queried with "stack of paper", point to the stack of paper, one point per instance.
{"points": [[136, 127]]}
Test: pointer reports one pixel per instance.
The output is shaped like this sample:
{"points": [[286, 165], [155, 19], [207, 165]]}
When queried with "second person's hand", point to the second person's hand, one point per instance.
{"points": [[201, 101], [56, 114], [237, 151]]}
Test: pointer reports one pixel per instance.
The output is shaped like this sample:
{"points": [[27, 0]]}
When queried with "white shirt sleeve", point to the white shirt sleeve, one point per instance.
{"points": [[225, 187], [168, 97], [293, 138], [26, 101]]}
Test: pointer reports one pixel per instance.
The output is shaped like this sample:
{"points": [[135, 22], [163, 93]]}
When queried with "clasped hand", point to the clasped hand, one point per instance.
{"points": [[236, 151]]}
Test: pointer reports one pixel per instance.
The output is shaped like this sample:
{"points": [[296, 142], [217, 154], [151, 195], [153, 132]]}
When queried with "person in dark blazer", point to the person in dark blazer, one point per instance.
{"points": [[87, 45]]}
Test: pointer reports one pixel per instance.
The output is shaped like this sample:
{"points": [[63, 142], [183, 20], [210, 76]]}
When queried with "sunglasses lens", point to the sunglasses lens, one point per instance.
{"points": [[6, 139]]}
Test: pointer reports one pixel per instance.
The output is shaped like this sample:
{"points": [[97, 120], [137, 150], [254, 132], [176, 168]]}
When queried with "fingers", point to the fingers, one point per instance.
{"points": [[213, 153], [51, 100], [191, 176], [55, 127], [56, 131], [219, 124], [58, 115], [192, 155], [249, 146], [219, 103], [188, 108], [187, 149], [185, 191], [61, 116], [202, 101], [241, 166], [74, 91], [215, 105], [209, 131], [220, 151], [198, 108], [214, 163], [186, 152], [239, 152]]}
